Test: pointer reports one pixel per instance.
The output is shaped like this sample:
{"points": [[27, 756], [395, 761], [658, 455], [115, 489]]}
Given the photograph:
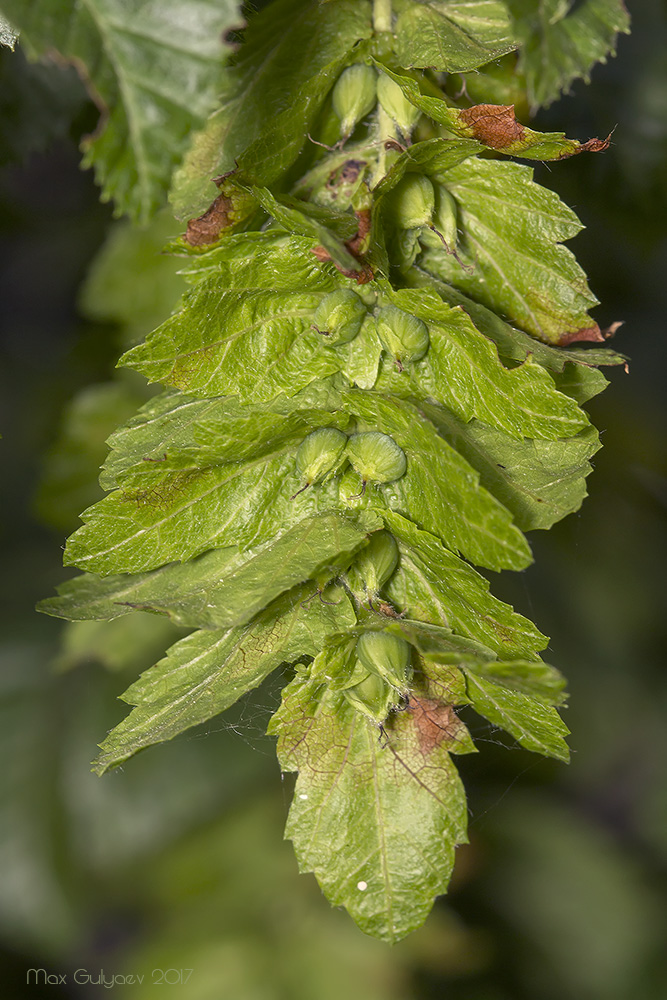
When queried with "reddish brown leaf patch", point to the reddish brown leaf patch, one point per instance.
{"points": [[591, 146], [494, 124], [435, 722], [208, 227], [590, 333]]}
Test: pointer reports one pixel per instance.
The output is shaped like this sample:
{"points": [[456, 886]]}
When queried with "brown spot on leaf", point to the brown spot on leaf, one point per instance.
{"points": [[591, 146], [589, 333], [435, 722], [208, 227], [493, 124]]}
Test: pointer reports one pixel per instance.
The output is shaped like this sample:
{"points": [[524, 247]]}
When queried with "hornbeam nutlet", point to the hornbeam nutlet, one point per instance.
{"points": [[396, 104], [372, 696], [413, 202], [373, 566], [386, 655], [376, 457], [339, 316], [354, 96], [403, 335], [319, 453]]}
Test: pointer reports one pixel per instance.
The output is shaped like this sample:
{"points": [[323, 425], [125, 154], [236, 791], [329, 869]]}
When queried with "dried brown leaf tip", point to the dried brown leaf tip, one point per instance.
{"points": [[435, 722], [593, 334], [493, 124]]}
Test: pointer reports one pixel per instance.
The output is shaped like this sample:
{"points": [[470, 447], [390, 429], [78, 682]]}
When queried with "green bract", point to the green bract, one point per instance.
{"points": [[354, 96], [339, 316], [275, 378], [404, 336], [376, 457]]}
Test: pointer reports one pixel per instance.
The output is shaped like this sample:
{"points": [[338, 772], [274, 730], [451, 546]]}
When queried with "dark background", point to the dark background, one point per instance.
{"points": [[177, 861]]}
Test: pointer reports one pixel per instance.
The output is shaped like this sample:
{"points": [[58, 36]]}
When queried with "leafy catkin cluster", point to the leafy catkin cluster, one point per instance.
{"points": [[371, 388]]}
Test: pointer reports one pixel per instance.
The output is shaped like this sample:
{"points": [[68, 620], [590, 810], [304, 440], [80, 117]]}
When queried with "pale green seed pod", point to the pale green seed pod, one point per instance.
{"points": [[339, 316], [373, 566], [386, 655], [372, 696], [396, 104], [403, 335], [444, 227], [354, 96], [376, 457], [413, 202], [319, 453]]}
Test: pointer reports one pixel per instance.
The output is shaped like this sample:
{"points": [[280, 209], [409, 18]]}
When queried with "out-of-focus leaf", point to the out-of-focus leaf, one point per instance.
{"points": [[155, 71], [561, 41], [208, 671], [451, 35], [126, 643]]}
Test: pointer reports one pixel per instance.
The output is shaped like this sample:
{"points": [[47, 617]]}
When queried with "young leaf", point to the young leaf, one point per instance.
{"points": [[561, 42], [208, 671], [376, 821], [154, 70]]}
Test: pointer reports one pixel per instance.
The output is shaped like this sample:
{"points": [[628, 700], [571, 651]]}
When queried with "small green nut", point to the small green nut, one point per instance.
{"points": [[386, 655], [413, 202], [340, 316], [373, 566], [319, 453], [354, 96], [376, 457], [372, 696], [403, 335], [396, 104]]}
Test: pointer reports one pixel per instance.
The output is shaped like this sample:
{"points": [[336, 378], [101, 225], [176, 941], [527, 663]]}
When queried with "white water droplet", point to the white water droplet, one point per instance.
{"points": [[361, 886], [303, 795]]}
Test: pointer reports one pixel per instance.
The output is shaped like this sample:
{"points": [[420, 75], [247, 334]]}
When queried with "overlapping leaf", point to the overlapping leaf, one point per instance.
{"points": [[451, 35], [512, 231], [155, 70]]}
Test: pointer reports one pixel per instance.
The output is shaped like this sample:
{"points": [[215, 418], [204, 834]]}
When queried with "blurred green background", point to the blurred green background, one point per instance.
{"points": [[177, 861]]}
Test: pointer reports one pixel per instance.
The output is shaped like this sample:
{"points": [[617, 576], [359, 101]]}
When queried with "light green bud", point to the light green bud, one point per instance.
{"points": [[319, 453], [376, 457], [403, 335], [373, 566], [413, 202], [354, 96], [340, 316], [372, 696], [386, 655], [396, 104]]}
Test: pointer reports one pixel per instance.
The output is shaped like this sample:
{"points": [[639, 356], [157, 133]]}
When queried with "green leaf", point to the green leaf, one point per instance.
{"points": [[208, 671], [511, 234], [291, 57], [154, 69], [221, 588], [539, 482], [376, 820], [462, 371], [534, 725], [494, 126], [451, 35], [435, 586], [561, 41], [440, 491]]}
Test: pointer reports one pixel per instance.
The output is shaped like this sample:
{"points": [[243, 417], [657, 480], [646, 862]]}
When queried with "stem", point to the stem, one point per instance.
{"points": [[382, 15]]}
